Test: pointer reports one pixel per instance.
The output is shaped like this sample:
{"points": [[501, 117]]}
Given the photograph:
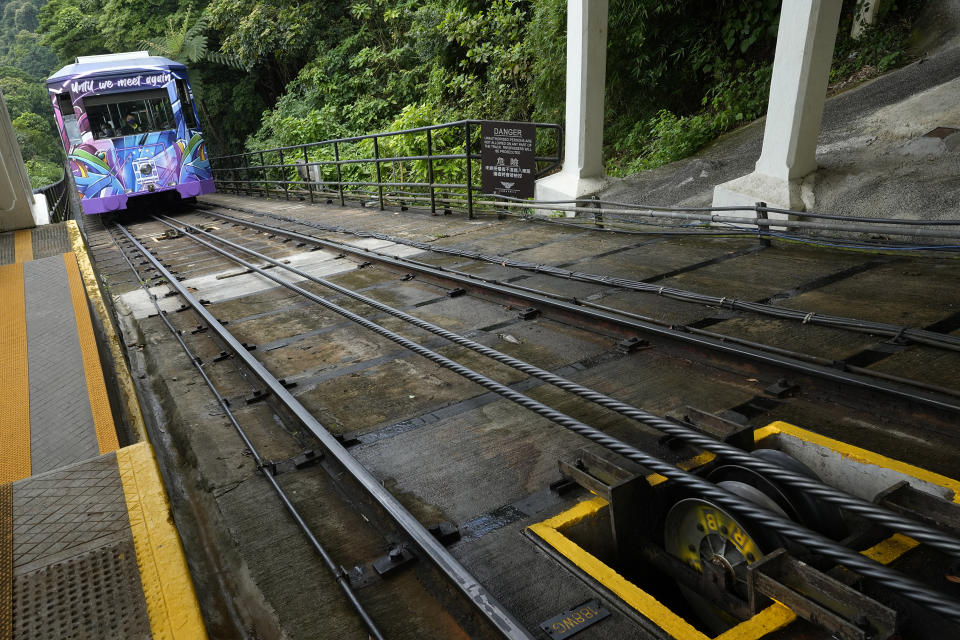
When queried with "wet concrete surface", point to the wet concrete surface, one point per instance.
{"points": [[450, 450]]}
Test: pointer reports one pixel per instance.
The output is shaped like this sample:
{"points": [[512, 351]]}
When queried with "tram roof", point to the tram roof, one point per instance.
{"points": [[114, 63]]}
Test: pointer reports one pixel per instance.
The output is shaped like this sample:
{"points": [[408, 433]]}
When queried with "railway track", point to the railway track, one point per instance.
{"points": [[601, 358]]}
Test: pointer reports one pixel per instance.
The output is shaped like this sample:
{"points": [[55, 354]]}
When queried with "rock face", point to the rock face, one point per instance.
{"points": [[878, 152]]}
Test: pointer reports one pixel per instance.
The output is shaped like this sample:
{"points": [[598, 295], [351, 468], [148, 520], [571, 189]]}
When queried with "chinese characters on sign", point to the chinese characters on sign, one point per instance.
{"points": [[507, 157]]}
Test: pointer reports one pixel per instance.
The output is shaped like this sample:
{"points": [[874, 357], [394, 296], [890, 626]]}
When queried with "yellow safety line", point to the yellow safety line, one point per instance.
{"points": [[774, 617], [171, 601], [650, 607], [123, 378], [23, 245], [96, 387], [15, 399]]}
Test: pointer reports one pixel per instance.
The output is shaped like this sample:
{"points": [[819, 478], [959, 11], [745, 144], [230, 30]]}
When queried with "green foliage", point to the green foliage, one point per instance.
{"points": [[29, 55], [43, 173], [679, 72], [69, 28], [32, 119], [34, 135]]}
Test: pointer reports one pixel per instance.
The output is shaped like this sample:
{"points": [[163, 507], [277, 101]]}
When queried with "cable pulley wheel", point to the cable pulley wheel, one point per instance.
{"points": [[698, 532], [825, 517]]}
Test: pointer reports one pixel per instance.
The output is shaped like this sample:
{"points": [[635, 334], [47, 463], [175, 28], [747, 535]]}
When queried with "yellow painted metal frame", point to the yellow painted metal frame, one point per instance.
{"points": [[171, 601], [774, 617]]}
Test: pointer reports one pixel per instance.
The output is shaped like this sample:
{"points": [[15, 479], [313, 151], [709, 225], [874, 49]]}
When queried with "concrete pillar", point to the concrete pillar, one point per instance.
{"points": [[18, 207], [582, 171], [801, 69], [864, 15]]}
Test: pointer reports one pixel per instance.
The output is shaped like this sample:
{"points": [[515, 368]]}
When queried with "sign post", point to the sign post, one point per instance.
{"points": [[508, 159]]}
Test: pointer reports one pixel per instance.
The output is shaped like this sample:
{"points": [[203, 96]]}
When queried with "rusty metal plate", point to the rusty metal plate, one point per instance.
{"points": [[940, 132]]}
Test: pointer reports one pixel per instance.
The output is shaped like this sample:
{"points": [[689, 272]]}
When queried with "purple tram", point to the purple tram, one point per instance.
{"points": [[129, 126]]}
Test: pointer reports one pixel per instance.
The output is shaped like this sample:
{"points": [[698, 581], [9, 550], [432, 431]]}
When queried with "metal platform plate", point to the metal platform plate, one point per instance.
{"points": [[74, 562], [61, 422]]}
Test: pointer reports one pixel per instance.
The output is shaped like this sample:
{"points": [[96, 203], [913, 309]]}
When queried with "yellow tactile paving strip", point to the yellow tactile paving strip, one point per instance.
{"points": [[15, 399], [23, 245], [96, 387], [124, 380], [171, 601]]}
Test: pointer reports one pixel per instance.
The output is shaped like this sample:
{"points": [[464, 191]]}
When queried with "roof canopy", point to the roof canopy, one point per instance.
{"points": [[112, 64]]}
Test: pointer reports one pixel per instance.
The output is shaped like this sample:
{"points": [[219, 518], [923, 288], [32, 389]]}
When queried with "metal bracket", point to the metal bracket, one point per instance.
{"points": [[781, 388], [300, 461], [257, 396], [458, 291], [920, 505], [446, 532], [631, 345], [360, 576], [528, 313], [347, 439], [396, 558], [624, 490], [843, 611], [738, 435]]}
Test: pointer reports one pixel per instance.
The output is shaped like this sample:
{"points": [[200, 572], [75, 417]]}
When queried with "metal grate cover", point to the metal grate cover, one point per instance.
{"points": [[6, 248], [94, 595], [50, 240]]}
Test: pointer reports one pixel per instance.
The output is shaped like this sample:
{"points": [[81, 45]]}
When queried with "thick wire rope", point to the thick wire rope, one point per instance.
{"points": [[907, 586], [930, 338]]}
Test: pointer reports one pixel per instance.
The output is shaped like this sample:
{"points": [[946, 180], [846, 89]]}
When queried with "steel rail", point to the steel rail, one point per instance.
{"points": [[901, 524], [548, 302], [341, 578], [488, 606], [909, 587], [923, 336], [756, 207]]}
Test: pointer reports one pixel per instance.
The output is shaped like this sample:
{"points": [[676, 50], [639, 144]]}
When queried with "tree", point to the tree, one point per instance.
{"points": [[70, 28], [29, 55], [188, 43]]}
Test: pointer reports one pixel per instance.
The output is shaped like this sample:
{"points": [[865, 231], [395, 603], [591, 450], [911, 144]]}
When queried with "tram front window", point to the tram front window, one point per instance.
{"points": [[126, 114]]}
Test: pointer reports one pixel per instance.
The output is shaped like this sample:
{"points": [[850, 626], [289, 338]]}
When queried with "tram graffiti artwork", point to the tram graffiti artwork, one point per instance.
{"points": [[130, 128]]}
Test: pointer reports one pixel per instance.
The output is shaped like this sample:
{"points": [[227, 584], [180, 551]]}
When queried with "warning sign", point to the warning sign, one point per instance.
{"points": [[509, 167]]}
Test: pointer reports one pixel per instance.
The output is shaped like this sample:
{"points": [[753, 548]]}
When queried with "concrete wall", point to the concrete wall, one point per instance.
{"points": [[19, 209]]}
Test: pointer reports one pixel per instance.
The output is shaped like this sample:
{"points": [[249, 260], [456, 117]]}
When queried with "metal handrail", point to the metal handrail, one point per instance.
{"points": [[266, 172], [57, 196]]}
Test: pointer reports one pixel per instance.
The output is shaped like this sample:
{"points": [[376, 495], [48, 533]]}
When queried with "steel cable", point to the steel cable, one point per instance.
{"points": [[907, 586], [870, 510]]}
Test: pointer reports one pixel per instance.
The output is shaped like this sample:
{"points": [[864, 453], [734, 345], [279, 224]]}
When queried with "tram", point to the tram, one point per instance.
{"points": [[130, 129]]}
